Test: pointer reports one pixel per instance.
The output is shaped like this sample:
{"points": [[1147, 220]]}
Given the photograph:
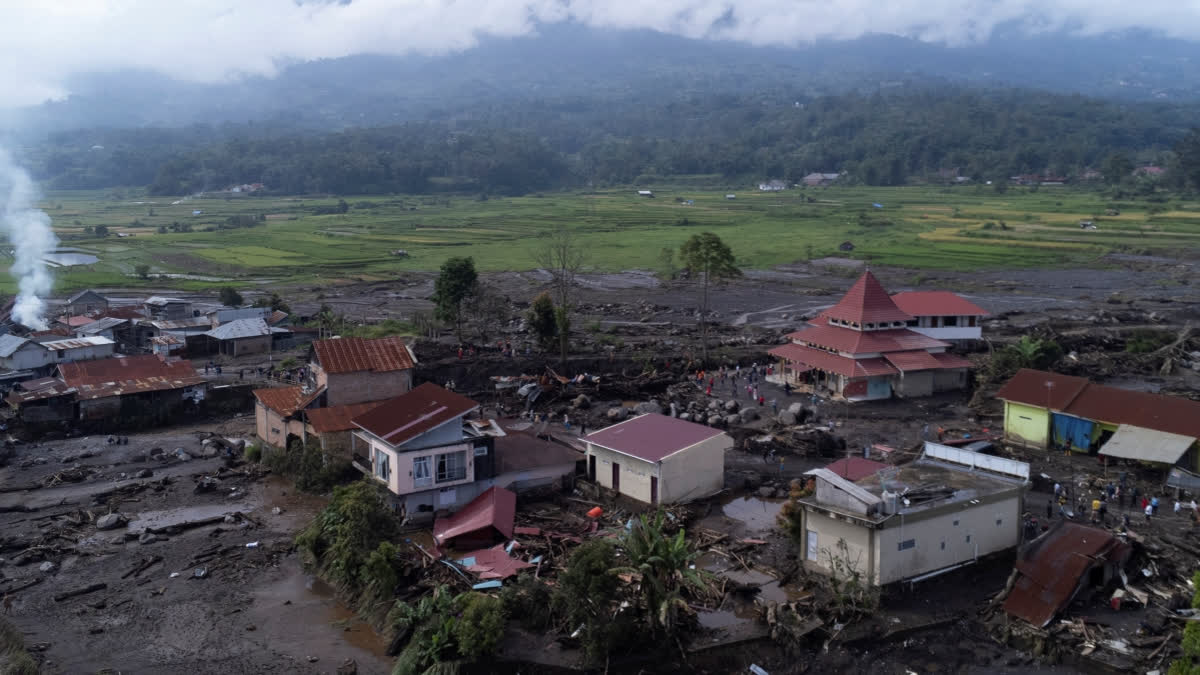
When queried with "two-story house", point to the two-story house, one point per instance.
{"points": [[356, 370]]}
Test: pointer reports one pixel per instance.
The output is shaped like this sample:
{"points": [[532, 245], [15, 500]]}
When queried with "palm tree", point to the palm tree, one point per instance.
{"points": [[665, 565]]}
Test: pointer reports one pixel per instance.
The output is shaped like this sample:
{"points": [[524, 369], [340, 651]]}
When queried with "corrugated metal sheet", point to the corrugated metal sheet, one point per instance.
{"points": [[867, 302], [339, 417], [181, 324], [240, 328], [286, 400], [1041, 389], [976, 460], [78, 343], [9, 344], [1146, 445], [124, 387], [948, 360], [652, 437], [407, 416], [352, 355], [100, 325], [519, 450], [1054, 566], [495, 509], [913, 360], [936, 303], [123, 368], [855, 469]]}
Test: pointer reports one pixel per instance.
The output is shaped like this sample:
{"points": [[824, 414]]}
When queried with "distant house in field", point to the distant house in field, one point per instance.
{"points": [[168, 309], [1091, 175], [730, 196], [773, 186], [645, 193], [820, 179], [85, 303]]}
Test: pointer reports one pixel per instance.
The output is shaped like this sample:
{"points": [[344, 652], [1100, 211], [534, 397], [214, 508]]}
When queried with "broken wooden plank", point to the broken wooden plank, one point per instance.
{"points": [[80, 591], [142, 567]]}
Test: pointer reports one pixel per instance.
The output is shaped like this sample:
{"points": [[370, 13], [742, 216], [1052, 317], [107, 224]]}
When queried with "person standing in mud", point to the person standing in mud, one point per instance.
{"points": [[7, 603]]}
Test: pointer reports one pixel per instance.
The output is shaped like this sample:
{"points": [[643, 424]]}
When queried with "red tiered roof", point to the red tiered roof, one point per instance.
{"points": [[866, 302], [854, 341]]}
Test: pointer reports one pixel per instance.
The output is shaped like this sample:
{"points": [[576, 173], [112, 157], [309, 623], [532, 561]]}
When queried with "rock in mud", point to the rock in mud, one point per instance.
{"points": [[147, 538], [787, 418], [748, 415], [733, 420], [110, 521], [686, 417], [766, 492], [144, 473], [796, 409], [582, 402], [154, 452], [182, 455], [649, 407], [714, 420], [47, 567], [731, 406], [616, 413]]}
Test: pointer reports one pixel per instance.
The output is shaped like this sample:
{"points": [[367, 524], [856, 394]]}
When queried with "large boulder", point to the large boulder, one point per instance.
{"points": [[796, 409], [686, 417], [731, 406], [714, 420], [648, 407], [748, 415], [582, 402], [732, 420], [616, 414], [714, 406], [110, 521], [787, 418]]}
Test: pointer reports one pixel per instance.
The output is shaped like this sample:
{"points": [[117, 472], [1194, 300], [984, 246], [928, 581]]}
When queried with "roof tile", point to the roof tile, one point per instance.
{"points": [[860, 342]]}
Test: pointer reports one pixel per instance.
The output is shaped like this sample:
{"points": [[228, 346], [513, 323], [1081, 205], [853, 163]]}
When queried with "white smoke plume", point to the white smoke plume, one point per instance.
{"points": [[31, 237]]}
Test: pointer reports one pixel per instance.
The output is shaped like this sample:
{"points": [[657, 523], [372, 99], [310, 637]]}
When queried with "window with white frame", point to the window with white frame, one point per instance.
{"points": [[451, 466], [383, 465], [421, 475]]}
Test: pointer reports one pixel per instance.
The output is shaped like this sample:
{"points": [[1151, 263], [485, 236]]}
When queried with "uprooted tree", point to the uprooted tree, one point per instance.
{"points": [[706, 256]]}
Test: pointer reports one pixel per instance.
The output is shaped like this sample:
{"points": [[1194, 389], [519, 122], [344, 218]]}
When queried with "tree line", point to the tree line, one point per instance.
{"points": [[522, 146]]}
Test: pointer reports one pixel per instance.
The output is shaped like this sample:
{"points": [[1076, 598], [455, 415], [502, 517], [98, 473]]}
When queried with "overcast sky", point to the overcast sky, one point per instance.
{"points": [[43, 42]]}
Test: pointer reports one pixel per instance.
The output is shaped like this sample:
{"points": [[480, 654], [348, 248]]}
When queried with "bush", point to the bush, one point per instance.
{"points": [[528, 601], [309, 466], [356, 521], [447, 632], [14, 660], [252, 453]]}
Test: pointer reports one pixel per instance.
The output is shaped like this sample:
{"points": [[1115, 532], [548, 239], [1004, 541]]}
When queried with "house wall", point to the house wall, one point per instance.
{"points": [[400, 480], [108, 407], [821, 534], [915, 383], [950, 332], [1026, 425], [87, 304], [366, 385], [28, 356], [86, 353], [445, 433], [949, 379], [259, 344], [693, 472], [273, 429], [634, 473], [967, 533]]}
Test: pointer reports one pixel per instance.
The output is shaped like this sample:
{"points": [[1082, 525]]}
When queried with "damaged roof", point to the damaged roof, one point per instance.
{"points": [[78, 343], [407, 416], [286, 400], [652, 437], [352, 355], [1054, 566], [520, 450], [120, 368], [339, 417], [495, 508]]}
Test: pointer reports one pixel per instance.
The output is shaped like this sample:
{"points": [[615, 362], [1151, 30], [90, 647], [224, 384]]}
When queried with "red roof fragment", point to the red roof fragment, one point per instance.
{"points": [[494, 509], [855, 469], [495, 563]]}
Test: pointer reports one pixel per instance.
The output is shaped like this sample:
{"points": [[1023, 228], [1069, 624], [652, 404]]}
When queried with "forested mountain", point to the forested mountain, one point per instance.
{"points": [[570, 61], [882, 138]]}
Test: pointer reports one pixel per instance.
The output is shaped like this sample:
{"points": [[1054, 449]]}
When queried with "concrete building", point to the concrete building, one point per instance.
{"points": [[1044, 410], [942, 315], [862, 349], [167, 309], [221, 317], [279, 414], [333, 427], [87, 302], [357, 370], [948, 508], [240, 337], [658, 459]]}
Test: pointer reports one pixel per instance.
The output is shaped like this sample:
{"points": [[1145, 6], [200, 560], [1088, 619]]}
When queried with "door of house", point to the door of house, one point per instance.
{"points": [[616, 481], [810, 538], [653, 489], [592, 468]]}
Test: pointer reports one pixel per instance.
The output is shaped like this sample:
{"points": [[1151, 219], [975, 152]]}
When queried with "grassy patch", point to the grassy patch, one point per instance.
{"points": [[14, 660]]}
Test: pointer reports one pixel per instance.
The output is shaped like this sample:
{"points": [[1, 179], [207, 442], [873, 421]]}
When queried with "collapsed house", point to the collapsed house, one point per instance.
{"points": [[122, 390], [1054, 568], [944, 510], [431, 457], [1045, 410], [658, 459], [863, 348]]}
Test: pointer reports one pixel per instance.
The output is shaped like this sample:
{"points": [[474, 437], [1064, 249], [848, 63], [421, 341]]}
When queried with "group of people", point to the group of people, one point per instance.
{"points": [[1119, 493], [505, 348], [733, 376]]}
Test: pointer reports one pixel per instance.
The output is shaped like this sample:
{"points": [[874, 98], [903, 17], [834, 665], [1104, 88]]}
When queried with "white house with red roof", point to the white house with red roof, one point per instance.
{"points": [[862, 348], [941, 315]]}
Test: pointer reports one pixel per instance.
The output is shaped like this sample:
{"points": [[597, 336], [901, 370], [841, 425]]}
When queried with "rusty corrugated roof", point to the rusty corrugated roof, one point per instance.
{"points": [[123, 368], [120, 388], [1042, 389], [1054, 566], [407, 416], [339, 417], [352, 355], [286, 400]]}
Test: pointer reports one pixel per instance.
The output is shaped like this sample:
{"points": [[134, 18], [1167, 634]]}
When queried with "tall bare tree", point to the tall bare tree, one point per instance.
{"points": [[706, 256], [560, 253]]}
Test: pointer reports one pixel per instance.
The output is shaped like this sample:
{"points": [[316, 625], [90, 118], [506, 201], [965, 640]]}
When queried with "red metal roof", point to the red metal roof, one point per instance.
{"points": [[867, 302], [834, 363], [407, 416], [116, 369], [495, 509], [936, 303], [948, 360], [286, 400], [856, 468], [1159, 412], [914, 360], [338, 418], [494, 563], [864, 342], [1053, 567], [128, 312], [351, 355], [651, 437], [76, 321], [1042, 389]]}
